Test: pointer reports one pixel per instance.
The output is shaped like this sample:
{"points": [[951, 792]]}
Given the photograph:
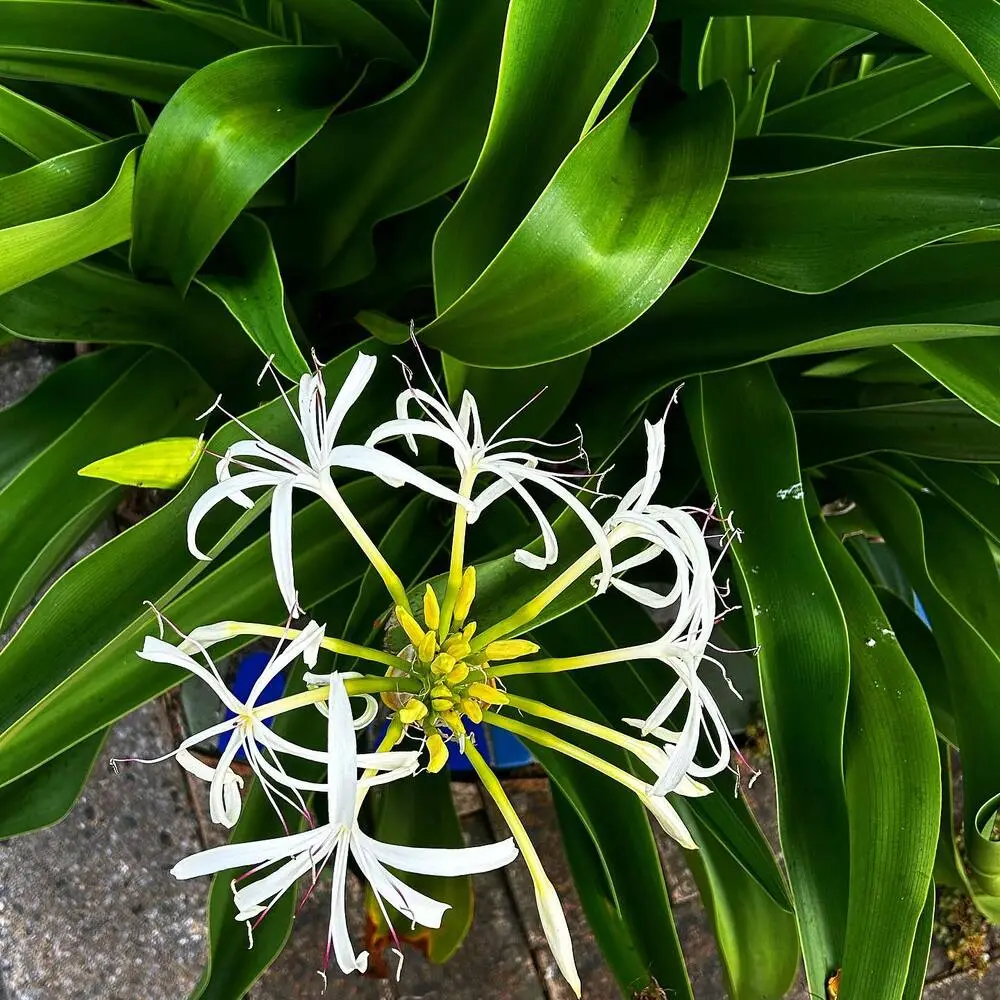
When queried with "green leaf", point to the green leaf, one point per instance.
{"points": [[813, 230], [893, 790], [243, 273], [89, 302], [124, 395], [934, 293], [968, 491], [33, 249], [581, 266], [969, 368], [62, 184], [162, 464], [349, 24], [68, 646], [405, 150], [744, 432], [43, 797], [952, 569], [757, 939], [236, 30], [727, 54], [751, 118], [934, 428], [117, 47], [862, 106], [224, 133], [914, 986], [37, 130], [802, 48], [560, 61], [960, 32]]}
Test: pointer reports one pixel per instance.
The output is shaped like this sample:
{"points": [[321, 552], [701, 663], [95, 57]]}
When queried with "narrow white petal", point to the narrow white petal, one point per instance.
{"points": [[556, 929], [340, 937], [410, 902], [670, 822], [358, 377], [158, 651], [274, 884], [223, 807], [254, 852], [441, 860], [391, 471], [281, 545], [342, 772], [303, 644]]}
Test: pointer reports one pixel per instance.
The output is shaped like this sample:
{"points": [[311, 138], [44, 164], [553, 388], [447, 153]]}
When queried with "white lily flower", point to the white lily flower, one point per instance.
{"points": [[308, 852], [513, 468], [261, 464], [259, 744]]}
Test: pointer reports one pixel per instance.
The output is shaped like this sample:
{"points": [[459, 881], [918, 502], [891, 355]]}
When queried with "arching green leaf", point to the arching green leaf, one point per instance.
{"points": [[223, 134], [602, 242], [745, 435]]}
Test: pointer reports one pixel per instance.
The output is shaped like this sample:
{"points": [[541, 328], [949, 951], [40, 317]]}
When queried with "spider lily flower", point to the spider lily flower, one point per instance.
{"points": [[338, 840], [249, 733], [513, 468], [261, 464]]}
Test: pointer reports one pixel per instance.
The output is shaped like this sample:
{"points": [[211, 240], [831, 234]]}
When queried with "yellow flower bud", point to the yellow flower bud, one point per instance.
{"points": [[443, 663], [413, 711], [456, 646], [487, 694], [466, 593], [453, 721], [459, 674], [510, 649], [442, 704], [427, 647], [440, 691], [438, 753], [409, 624], [472, 710], [469, 631], [432, 610], [394, 731]]}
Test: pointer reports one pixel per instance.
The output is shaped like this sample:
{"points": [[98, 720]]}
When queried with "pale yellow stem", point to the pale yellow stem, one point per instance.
{"points": [[532, 609], [353, 685], [390, 578], [457, 563], [546, 739], [557, 664]]}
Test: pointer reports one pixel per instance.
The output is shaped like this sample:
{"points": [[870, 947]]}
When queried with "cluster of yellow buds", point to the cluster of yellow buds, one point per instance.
{"points": [[455, 681]]}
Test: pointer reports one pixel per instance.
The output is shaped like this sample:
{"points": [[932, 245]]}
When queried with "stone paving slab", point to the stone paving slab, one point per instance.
{"points": [[88, 909]]}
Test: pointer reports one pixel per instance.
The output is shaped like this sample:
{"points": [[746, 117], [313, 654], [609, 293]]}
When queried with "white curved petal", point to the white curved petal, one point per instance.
{"points": [[232, 489], [340, 937], [670, 822], [556, 930], [348, 394], [271, 886], [441, 860], [342, 773], [281, 546], [410, 902], [156, 650], [254, 852], [302, 645], [391, 471], [223, 806]]}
